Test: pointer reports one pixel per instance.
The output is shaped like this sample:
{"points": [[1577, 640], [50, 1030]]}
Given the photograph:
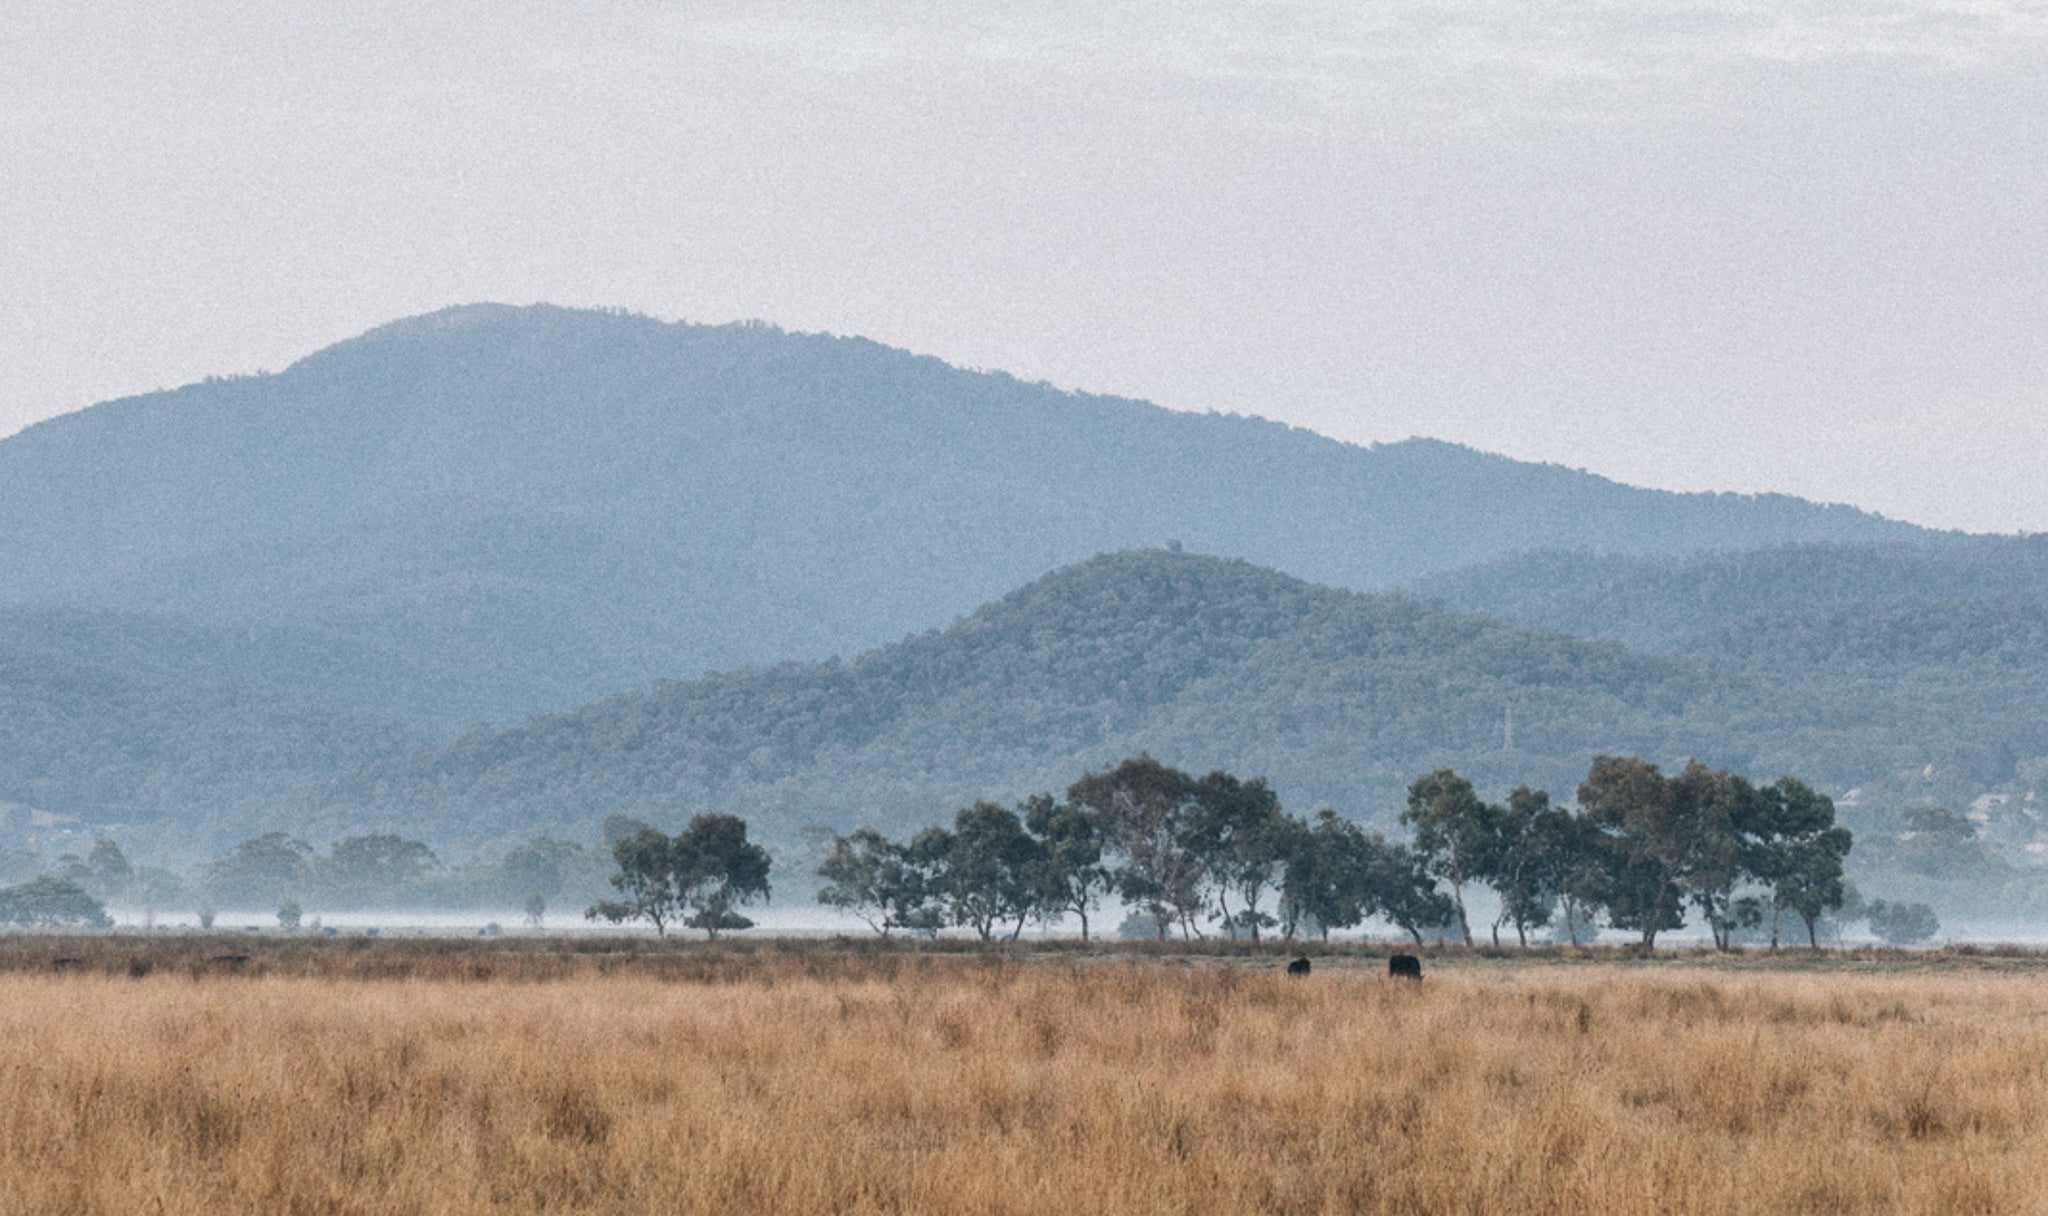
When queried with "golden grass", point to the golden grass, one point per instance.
{"points": [[819, 1081]]}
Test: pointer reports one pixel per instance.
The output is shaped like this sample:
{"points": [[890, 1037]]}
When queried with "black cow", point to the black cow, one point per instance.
{"points": [[1299, 966], [1405, 966]]}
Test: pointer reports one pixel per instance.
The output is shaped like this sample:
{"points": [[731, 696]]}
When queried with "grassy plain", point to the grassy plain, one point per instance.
{"points": [[217, 1075]]}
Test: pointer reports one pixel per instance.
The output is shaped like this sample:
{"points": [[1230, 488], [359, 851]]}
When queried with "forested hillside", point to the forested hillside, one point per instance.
{"points": [[1336, 697], [164, 757], [504, 510], [1663, 603]]}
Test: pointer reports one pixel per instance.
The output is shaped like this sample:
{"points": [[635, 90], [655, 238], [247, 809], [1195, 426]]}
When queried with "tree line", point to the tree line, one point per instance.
{"points": [[1639, 849]]}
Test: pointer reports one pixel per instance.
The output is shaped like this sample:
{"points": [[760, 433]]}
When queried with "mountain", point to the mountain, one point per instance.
{"points": [[491, 511], [1665, 602], [167, 758], [1337, 697], [1202, 661]]}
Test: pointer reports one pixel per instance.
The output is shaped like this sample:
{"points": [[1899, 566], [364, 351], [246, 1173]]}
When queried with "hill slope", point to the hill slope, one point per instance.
{"points": [[1338, 697], [549, 505], [1663, 603], [164, 756]]}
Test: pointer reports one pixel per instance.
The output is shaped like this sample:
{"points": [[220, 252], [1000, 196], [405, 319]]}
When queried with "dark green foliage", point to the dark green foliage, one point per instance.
{"points": [[1320, 885], [1071, 877], [1337, 875], [1402, 889], [989, 869], [1241, 839], [647, 881], [1796, 851], [699, 877], [1809, 879], [49, 902], [1456, 834], [1183, 852], [1723, 817], [1647, 843], [1149, 816], [717, 871], [1529, 862], [872, 877], [1705, 836]]}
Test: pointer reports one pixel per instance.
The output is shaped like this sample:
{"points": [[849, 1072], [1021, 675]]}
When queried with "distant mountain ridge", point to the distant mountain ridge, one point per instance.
{"points": [[533, 507], [1204, 661], [1339, 698], [1665, 602]]}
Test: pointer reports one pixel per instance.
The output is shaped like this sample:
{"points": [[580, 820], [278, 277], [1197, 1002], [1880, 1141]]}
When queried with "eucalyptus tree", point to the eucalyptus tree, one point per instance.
{"points": [[645, 881], [1572, 857], [1071, 876], [1719, 816], [698, 877], [1521, 870], [1241, 836], [1456, 833], [1324, 875], [1147, 814], [880, 881], [1401, 886], [1798, 854], [718, 870], [862, 873], [992, 870], [1646, 840]]}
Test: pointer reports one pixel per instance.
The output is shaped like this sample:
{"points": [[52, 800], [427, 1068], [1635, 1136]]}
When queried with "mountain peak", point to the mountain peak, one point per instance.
{"points": [[571, 501]]}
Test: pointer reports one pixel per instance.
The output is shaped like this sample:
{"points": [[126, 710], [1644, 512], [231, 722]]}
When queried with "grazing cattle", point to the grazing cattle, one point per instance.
{"points": [[1405, 966], [1298, 967]]}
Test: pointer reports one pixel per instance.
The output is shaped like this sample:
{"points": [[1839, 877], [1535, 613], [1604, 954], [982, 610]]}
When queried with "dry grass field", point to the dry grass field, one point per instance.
{"points": [[175, 1079]]}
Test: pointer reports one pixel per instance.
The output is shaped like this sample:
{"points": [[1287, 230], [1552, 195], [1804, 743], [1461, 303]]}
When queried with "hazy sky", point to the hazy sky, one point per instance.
{"points": [[1729, 245]]}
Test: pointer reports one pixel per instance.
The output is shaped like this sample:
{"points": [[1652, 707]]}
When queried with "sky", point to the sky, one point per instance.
{"points": [[1789, 246]]}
